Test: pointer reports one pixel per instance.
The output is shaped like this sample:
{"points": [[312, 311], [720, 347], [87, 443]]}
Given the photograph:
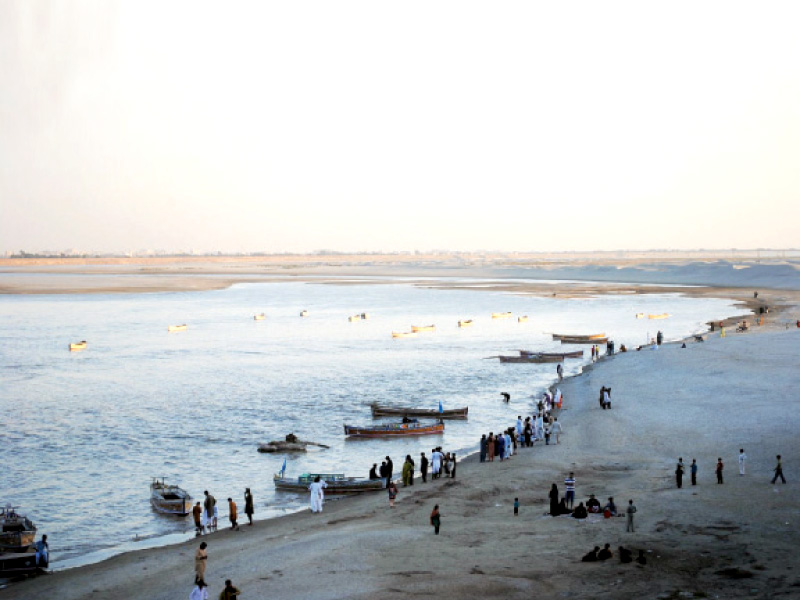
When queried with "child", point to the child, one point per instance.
{"points": [[436, 519], [516, 507]]}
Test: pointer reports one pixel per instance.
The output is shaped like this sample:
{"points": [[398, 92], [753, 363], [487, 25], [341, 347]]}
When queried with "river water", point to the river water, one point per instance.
{"points": [[84, 432]]}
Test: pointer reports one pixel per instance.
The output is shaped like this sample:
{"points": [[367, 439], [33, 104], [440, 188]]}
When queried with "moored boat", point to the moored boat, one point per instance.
{"points": [[582, 340], [17, 532], [465, 323], [260, 317], [522, 319], [501, 315], [404, 334], [575, 354], [394, 430], [587, 338], [17, 564], [418, 328], [337, 483], [529, 358], [169, 499], [303, 313], [78, 346], [174, 328], [400, 411], [354, 318], [659, 316], [640, 315]]}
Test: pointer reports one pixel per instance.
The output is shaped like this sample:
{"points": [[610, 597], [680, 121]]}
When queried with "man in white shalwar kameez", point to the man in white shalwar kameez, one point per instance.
{"points": [[509, 449], [519, 427], [317, 495], [436, 463], [742, 459]]}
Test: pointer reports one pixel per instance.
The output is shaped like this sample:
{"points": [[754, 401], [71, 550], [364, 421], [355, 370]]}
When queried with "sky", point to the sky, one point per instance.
{"points": [[374, 126]]}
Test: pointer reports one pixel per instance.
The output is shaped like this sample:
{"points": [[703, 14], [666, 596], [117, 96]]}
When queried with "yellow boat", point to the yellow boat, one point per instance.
{"points": [[661, 316], [502, 315], [78, 346], [303, 313], [640, 315], [404, 334], [523, 319], [174, 328], [418, 328], [465, 323], [260, 317], [354, 318]]}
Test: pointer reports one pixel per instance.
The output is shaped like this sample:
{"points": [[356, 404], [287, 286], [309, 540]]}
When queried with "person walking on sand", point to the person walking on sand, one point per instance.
{"points": [[630, 512], [693, 470], [569, 483], [779, 471], [742, 459], [679, 473], [516, 507], [197, 513], [556, 429], [230, 592], [392, 489], [436, 519], [317, 496], [554, 510], [720, 466], [233, 514], [248, 505], [423, 466], [200, 561]]}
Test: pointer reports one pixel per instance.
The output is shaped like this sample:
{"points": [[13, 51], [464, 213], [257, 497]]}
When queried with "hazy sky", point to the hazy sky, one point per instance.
{"points": [[296, 126]]}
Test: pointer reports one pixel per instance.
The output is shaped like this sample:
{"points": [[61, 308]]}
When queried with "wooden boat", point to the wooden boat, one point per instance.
{"points": [[260, 317], [290, 444], [661, 316], [169, 499], [575, 354], [501, 315], [418, 328], [465, 323], [587, 338], [404, 334], [394, 430], [523, 319], [640, 315], [18, 564], [303, 313], [78, 346], [529, 358], [354, 318], [338, 483], [174, 328], [364, 316], [400, 411], [583, 340], [17, 532]]}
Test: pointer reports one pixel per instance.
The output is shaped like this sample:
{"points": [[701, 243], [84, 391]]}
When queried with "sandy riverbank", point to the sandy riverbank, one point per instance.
{"points": [[736, 540]]}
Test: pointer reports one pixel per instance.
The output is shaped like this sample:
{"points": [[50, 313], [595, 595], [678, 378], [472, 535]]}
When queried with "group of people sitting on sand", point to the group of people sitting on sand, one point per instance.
{"points": [[625, 555], [592, 506]]}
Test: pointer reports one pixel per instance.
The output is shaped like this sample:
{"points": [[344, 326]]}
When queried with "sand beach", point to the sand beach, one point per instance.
{"points": [[703, 401]]}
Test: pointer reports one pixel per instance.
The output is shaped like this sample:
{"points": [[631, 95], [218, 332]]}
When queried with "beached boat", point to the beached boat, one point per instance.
{"points": [[582, 340], [174, 328], [18, 564], [394, 430], [303, 313], [522, 319], [379, 410], [465, 323], [661, 316], [501, 315], [338, 483], [169, 499], [529, 358], [640, 315], [575, 354], [78, 346], [418, 328], [404, 334], [17, 532], [260, 317], [587, 338]]}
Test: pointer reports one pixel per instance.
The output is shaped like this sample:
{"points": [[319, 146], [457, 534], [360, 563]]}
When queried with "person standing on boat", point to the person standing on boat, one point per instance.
{"points": [[248, 505], [423, 466], [317, 496]]}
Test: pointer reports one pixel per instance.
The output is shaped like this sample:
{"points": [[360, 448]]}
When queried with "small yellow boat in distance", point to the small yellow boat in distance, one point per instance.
{"points": [[661, 316], [640, 315], [522, 319], [465, 323], [501, 315], [418, 328], [303, 313], [260, 317], [174, 328], [77, 346], [404, 334], [354, 318]]}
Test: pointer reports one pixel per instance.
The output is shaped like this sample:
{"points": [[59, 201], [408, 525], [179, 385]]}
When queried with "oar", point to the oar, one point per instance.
{"points": [[316, 444]]}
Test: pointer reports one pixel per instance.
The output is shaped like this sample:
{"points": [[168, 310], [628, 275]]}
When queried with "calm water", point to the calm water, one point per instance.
{"points": [[85, 431]]}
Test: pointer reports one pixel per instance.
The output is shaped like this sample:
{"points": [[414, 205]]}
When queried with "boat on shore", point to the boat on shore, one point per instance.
{"points": [[18, 564], [174, 328], [501, 315], [575, 354], [379, 410], [338, 483], [529, 358], [419, 328], [660, 316], [260, 317], [465, 323], [17, 532], [394, 430], [77, 346], [169, 499], [404, 334]]}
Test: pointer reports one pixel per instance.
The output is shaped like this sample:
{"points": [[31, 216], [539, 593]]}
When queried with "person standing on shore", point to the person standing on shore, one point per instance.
{"points": [[389, 467], [209, 504], [233, 514], [720, 466], [200, 561], [516, 507], [197, 513], [452, 465], [554, 512], [779, 470], [436, 463], [679, 473], [490, 446], [693, 470], [317, 497], [230, 592], [742, 459], [392, 489], [436, 519], [630, 512], [556, 429], [483, 448], [407, 470], [248, 505], [423, 466], [560, 372], [569, 483]]}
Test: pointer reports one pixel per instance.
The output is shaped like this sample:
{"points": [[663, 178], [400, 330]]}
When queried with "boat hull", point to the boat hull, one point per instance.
{"points": [[77, 346], [338, 484], [17, 564], [580, 340], [575, 354], [394, 430], [398, 411], [418, 328], [467, 323], [589, 339], [504, 315], [404, 334], [174, 328], [170, 499], [527, 358]]}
